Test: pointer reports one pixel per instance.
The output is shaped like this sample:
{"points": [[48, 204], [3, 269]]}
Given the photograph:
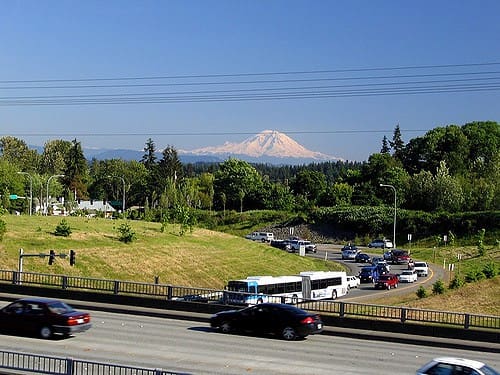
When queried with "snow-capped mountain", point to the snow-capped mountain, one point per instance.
{"points": [[269, 144]]}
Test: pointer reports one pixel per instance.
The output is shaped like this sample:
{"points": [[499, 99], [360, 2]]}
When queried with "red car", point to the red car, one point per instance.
{"points": [[387, 281], [43, 317]]}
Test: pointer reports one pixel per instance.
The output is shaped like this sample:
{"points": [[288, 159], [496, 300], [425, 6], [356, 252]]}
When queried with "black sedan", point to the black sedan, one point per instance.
{"points": [[286, 321], [362, 258], [42, 317]]}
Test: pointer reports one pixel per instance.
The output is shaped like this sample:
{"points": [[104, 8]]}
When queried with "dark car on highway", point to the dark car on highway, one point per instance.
{"points": [[42, 317], [285, 321], [362, 258]]}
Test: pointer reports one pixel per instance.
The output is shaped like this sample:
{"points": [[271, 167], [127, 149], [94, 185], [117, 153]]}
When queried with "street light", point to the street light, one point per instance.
{"points": [[31, 188], [394, 230], [48, 183], [123, 194]]}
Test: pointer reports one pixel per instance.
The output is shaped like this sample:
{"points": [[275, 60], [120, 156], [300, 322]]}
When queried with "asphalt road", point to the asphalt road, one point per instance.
{"points": [[366, 291], [191, 347]]}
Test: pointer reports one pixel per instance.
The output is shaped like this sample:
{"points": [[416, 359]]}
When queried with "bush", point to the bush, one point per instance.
{"points": [[457, 283], [421, 292], [438, 287], [63, 229], [3, 229], [474, 275], [490, 270], [127, 235]]}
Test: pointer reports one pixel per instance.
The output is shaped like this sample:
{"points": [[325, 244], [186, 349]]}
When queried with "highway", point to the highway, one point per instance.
{"points": [[366, 292], [191, 347]]}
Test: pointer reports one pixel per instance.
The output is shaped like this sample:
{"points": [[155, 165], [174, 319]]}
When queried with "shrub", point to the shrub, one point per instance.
{"points": [[490, 270], [481, 249], [421, 292], [127, 235], [3, 229], [63, 229], [438, 287], [457, 283], [474, 275]]}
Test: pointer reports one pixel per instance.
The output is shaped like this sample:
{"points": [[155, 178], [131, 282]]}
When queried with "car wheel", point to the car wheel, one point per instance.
{"points": [[388, 287], [225, 327], [396, 285], [289, 333], [46, 332], [334, 294]]}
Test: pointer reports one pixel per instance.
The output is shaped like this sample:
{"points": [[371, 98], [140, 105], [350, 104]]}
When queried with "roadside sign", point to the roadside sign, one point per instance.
{"points": [[13, 196]]}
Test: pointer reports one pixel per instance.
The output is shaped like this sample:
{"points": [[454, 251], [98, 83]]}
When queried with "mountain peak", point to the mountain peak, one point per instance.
{"points": [[268, 143]]}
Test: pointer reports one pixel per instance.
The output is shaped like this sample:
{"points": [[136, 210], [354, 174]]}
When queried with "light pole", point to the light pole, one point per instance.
{"points": [[123, 194], [31, 189], [48, 183], [395, 200]]}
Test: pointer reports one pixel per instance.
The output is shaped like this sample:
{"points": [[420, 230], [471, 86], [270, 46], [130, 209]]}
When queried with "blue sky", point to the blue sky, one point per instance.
{"points": [[83, 40]]}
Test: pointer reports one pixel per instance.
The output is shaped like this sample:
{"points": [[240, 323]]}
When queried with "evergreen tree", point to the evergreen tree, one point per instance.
{"points": [[397, 144], [385, 146]]}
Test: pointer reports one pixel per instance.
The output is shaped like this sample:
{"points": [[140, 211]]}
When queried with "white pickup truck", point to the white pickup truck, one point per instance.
{"points": [[353, 282], [422, 268]]}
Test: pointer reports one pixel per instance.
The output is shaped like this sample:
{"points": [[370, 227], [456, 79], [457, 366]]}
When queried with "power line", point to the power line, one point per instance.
{"points": [[262, 89], [200, 134], [259, 74]]}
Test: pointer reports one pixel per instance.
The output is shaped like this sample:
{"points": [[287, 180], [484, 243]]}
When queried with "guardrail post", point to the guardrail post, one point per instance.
{"points": [[169, 292], [69, 366], [15, 277], [342, 309], [467, 321], [116, 287], [65, 282], [158, 371], [403, 315]]}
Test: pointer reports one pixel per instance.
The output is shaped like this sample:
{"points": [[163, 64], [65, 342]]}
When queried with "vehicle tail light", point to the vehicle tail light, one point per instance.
{"points": [[73, 321], [308, 320]]}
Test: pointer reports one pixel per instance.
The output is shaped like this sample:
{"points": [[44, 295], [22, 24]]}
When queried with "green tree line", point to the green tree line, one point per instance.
{"points": [[449, 169]]}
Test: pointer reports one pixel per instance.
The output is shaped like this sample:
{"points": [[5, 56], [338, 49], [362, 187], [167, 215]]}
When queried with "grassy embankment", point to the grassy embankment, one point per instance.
{"points": [[208, 259], [203, 258]]}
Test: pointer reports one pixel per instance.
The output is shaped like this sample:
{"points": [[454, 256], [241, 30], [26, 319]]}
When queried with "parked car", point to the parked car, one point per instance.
{"points": [[286, 321], [43, 317], [362, 258], [368, 274], [408, 276], [281, 244], [310, 247], [353, 282], [456, 366], [381, 244], [387, 281], [422, 268], [260, 236]]}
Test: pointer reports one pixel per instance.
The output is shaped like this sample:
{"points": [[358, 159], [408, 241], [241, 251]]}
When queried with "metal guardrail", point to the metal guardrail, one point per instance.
{"points": [[181, 293], [42, 364]]}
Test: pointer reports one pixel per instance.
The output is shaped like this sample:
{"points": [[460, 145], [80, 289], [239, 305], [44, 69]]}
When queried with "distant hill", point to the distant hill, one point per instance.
{"points": [[269, 146]]}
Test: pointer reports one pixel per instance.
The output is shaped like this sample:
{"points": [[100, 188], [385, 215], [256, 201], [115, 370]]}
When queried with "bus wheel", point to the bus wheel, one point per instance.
{"points": [[225, 327], [334, 294], [289, 333], [260, 300]]}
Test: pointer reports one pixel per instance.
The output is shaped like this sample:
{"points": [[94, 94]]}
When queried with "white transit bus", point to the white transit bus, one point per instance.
{"points": [[310, 285]]}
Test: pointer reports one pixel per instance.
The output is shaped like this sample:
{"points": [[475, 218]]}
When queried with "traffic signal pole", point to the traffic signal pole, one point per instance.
{"points": [[52, 255]]}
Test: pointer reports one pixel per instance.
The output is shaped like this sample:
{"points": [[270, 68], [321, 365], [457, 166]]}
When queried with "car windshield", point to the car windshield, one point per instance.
{"points": [[417, 264], [59, 308]]}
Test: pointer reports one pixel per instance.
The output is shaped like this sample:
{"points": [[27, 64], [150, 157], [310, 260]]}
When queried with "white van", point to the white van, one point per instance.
{"points": [[260, 236]]}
